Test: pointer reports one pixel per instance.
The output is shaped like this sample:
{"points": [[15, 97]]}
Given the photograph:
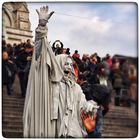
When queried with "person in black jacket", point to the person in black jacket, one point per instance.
{"points": [[9, 70], [23, 61]]}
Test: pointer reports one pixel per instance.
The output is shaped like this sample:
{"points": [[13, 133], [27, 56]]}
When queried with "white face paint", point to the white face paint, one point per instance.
{"points": [[68, 66]]}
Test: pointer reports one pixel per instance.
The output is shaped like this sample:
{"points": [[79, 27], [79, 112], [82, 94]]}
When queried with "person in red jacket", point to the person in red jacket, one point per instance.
{"points": [[75, 55]]}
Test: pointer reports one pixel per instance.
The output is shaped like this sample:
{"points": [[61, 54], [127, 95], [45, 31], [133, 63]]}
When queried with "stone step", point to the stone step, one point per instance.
{"points": [[12, 109], [119, 135], [127, 134], [10, 133], [15, 94], [7, 112], [116, 113], [10, 102], [13, 127], [18, 106], [109, 123], [13, 123], [130, 133], [121, 119], [121, 115], [13, 102], [8, 120], [123, 110], [119, 128], [10, 98], [12, 116]]}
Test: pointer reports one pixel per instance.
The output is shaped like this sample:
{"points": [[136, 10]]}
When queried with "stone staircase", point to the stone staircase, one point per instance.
{"points": [[12, 111], [120, 122]]}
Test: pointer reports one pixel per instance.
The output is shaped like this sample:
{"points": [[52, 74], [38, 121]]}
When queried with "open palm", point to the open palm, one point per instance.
{"points": [[43, 14]]}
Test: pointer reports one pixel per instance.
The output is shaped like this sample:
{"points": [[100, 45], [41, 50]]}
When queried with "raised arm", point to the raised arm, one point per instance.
{"points": [[41, 30]]}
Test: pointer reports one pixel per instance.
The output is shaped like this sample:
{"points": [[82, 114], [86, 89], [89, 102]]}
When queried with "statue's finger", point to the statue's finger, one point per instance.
{"points": [[41, 9], [44, 9], [37, 11], [47, 6], [52, 13]]}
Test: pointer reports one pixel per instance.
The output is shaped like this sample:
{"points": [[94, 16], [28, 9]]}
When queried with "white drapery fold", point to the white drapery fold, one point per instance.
{"points": [[39, 107]]}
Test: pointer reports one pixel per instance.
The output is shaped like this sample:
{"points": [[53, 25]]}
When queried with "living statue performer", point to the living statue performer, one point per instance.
{"points": [[53, 100]]}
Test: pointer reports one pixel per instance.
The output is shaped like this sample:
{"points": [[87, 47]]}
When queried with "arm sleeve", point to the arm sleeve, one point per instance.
{"points": [[40, 33], [82, 102]]}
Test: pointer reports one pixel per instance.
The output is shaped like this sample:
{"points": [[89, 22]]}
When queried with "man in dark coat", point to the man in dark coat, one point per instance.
{"points": [[23, 61], [8, 72]]}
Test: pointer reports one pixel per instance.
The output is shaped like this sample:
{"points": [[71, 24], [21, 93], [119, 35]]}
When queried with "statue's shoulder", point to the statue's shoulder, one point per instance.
{"points": [[77, 86]]}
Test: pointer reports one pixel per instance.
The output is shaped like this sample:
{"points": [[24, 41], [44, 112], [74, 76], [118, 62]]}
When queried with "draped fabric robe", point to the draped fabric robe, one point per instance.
{"points": [[38, 105]]}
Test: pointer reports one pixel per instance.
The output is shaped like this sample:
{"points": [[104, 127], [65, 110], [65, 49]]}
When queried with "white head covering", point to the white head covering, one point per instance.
{"points": [[62, 59]]}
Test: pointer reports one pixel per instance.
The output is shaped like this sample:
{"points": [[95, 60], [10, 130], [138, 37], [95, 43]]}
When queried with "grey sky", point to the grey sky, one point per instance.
{"points": [[92, 27]]}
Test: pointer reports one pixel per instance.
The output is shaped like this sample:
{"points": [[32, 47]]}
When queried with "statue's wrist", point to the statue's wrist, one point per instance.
{"points": [[41, 27], [43, 22]]}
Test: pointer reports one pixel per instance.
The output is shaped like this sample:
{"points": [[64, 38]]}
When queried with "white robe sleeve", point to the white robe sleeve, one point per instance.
{"points": [[85, 105]]}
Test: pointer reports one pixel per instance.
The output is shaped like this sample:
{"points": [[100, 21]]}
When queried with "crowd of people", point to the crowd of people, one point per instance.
{"points": [[16, 59], [97, 76]]}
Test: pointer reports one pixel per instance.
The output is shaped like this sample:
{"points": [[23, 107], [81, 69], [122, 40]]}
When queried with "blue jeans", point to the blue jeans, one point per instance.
{"points": [[97, 133]]}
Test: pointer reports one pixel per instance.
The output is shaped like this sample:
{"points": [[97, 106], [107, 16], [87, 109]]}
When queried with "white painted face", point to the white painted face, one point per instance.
{"points": [[68, 66]]}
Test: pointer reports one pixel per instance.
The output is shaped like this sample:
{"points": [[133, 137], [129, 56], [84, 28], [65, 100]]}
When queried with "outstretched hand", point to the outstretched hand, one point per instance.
{"points": [[43, 15], [88, 121]]}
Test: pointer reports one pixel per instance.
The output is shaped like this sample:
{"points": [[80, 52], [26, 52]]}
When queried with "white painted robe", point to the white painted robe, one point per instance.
{"points": [[37, 107]]}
